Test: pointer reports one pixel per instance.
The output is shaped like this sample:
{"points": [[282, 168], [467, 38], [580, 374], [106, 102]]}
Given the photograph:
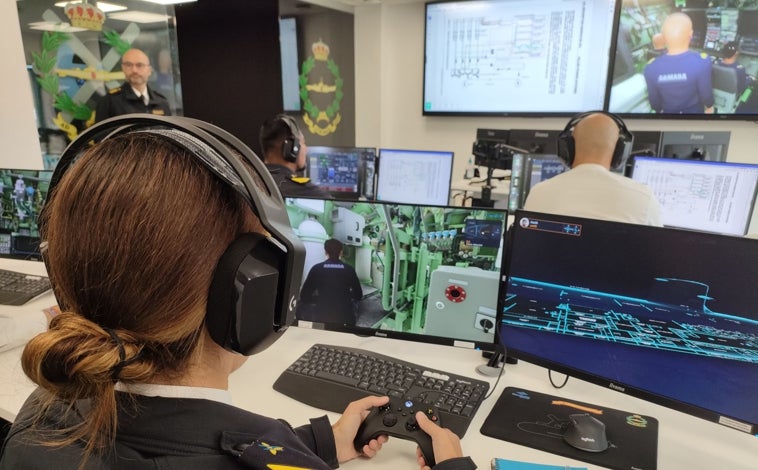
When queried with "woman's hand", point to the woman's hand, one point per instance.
{"points": [[445, 443], [346, 428]]}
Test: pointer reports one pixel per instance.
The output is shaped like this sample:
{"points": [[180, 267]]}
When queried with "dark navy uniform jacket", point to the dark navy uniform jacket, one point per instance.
{"points": [[332, 286], [158, 433], [290, 187], [123, 100], [679, 83]]}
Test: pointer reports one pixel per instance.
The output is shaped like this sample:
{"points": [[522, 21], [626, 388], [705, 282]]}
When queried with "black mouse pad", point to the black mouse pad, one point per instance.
{"points": [[537, 420]]}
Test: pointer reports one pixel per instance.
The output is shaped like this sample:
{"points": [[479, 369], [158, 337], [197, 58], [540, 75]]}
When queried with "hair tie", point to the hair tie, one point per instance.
{"points": [[116, 371]]}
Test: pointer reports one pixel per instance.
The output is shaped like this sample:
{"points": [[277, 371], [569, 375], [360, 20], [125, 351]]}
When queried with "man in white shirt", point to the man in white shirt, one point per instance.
{"points": [[590, 189]]}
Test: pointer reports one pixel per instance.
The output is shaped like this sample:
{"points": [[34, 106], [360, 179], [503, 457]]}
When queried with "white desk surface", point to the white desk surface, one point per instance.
{"points": [[684, 442]]}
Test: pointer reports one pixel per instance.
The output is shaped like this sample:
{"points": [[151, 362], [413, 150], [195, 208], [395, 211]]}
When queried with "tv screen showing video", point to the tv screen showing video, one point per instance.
{"points": [[686, 59]]}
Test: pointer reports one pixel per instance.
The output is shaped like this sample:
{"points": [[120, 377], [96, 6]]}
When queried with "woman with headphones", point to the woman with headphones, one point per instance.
{"points": [[134, 372]]}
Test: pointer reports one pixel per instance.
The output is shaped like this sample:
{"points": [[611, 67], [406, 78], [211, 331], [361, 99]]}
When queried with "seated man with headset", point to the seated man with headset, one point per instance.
{"points": [[592, 144], [285, 152], [134, 371]]}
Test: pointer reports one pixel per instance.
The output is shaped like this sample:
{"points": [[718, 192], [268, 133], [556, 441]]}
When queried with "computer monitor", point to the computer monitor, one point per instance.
{"points": [[710, 196], [527, 171], [345, 172], [695, 145], [426, 273], [667, 315], [414, 176], [535, 140], [22, 193], [516, 57]]}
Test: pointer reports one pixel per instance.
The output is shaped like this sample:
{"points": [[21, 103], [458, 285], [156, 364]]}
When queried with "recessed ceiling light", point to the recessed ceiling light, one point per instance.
{"points": [[139, 17], [169, 2], [105, 7]]}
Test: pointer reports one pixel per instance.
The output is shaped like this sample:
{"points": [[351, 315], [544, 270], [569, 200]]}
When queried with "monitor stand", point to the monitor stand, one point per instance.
{"points": [[538, 421]]}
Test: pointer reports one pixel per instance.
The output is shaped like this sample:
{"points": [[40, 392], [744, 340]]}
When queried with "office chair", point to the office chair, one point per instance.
{"points": [[725, 88]]}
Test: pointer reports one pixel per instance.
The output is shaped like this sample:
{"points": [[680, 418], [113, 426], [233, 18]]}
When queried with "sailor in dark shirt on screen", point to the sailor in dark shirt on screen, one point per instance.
{"points": [[679, 81], [332, 287], [729, 55]]}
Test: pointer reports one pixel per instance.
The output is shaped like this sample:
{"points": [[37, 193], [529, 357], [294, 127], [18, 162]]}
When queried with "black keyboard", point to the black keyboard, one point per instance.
{"points": [[18, 288], [329, 377]]}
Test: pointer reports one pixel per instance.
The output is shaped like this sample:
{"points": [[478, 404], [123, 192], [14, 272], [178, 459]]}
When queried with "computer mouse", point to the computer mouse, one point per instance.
{"points": [[585, 432]]}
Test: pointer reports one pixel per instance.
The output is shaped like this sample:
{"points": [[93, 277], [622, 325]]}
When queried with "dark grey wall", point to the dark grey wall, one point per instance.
{"points": [[230, 63]]}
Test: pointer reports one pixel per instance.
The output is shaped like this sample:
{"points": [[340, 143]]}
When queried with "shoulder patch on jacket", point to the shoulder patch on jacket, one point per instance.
{"points": [[115, 90]]}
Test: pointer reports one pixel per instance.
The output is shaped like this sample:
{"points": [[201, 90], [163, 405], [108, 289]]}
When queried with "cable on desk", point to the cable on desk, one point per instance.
{"points": [[550, 376]]}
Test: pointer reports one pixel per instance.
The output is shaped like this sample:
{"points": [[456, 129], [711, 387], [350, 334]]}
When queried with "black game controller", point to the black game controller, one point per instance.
{"points": [[398, 418]]}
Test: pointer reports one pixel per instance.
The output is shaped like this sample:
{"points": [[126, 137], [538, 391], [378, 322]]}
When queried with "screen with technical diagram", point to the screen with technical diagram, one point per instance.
{"points": [[420, 272]]}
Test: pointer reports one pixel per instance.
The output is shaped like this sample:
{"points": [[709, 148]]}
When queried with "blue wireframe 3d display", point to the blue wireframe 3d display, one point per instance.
{"points": [[664, 314]]}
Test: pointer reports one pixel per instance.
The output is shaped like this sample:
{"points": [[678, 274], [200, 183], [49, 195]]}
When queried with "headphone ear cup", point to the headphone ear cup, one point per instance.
{"points": [[243, 296], [566, 147], [290, 149]]}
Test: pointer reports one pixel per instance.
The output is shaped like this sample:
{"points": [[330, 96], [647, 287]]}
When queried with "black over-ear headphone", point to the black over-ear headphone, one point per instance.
{"points": [[567, 148], [253, 294], [291, 143]]}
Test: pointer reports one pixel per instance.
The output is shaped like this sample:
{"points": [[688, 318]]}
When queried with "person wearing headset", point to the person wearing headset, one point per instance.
{"points": [[133, 373], [592, 144], [285, 152]]}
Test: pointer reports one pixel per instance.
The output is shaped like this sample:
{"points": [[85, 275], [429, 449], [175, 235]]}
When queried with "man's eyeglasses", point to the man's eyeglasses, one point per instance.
{"points": [[136, 65]]}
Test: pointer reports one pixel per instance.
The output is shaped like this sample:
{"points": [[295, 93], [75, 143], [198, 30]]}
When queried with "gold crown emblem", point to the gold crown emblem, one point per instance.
{"points": [[320, 50], [84, 15]]}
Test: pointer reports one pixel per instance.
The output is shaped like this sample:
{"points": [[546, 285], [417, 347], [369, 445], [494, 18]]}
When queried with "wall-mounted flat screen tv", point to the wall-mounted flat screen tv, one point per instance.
{"points": [[517, 57], [684, 59]]}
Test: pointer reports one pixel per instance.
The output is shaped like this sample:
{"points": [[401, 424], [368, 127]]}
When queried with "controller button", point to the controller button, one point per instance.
{"points": [[389, 420], [411, 424]]}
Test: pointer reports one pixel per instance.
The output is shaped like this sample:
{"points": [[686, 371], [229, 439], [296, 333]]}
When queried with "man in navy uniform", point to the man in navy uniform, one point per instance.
{"points": [[134, 96], [679, 81], [285, 152], [729, 54], [332, 287]]}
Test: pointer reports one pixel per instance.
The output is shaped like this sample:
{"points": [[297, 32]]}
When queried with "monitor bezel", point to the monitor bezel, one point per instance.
{"points": [[486, 346], [736, 424]]}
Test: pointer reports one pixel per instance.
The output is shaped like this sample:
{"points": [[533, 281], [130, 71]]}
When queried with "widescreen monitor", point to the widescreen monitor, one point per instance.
{"points": [[667, 315], [345, 172], [414, 176], [424, 273], [647, 81], [701, 195], [22, 193], [517, 57]]}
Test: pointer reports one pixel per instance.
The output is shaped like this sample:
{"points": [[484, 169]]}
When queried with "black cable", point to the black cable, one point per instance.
{"points": [[497, 381], [550, 376]]}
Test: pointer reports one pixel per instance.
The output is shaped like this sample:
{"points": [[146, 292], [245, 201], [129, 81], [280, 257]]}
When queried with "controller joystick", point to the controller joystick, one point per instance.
{"points": [[398, 419]]}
